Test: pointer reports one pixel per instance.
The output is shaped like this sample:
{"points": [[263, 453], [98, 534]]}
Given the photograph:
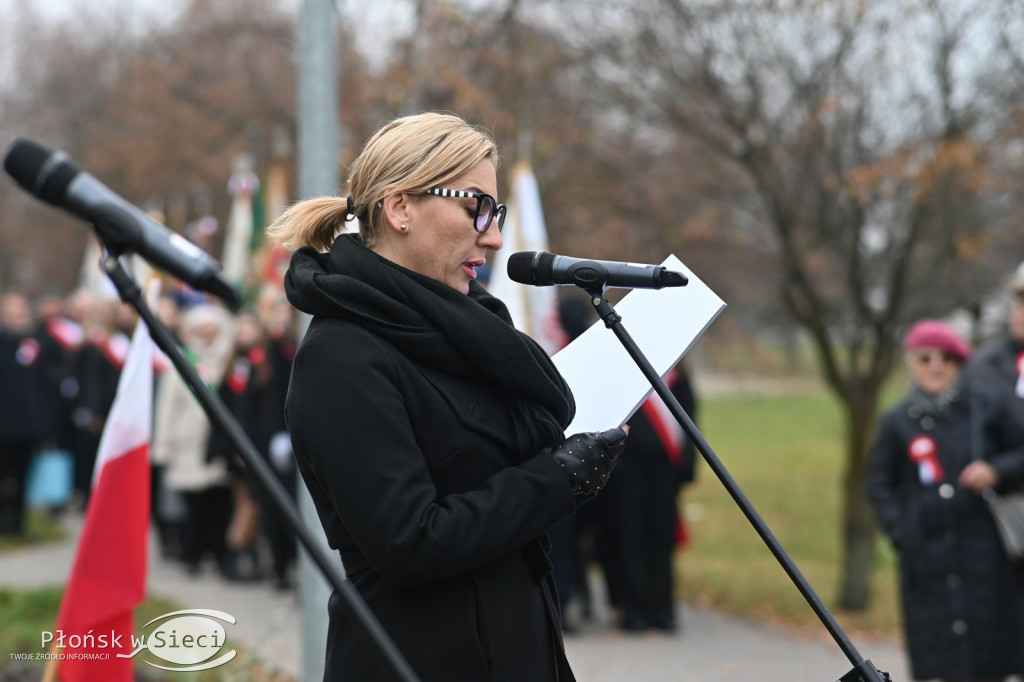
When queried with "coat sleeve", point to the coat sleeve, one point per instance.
{"points": [[1007, 433], [352, 434], [97, 382], [883, 482]]}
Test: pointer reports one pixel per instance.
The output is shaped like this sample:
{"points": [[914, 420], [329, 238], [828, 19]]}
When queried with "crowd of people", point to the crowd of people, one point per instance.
{"points": [[62, 357], [60, 361]]}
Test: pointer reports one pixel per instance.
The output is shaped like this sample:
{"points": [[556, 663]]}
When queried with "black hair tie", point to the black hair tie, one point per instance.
{"points": [[351, 209]]}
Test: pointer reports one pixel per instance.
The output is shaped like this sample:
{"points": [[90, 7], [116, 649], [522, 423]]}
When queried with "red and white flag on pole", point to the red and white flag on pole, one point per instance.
{"points": [[534, 310], [237, 254], [108, 579]]}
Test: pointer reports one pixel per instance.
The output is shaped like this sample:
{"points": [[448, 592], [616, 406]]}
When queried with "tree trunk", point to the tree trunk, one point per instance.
{"points": [[858, 522]]}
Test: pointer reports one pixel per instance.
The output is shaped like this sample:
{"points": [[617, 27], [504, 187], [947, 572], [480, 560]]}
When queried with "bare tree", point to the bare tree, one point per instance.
{"points": [[609, 191], [159, 114], [865, 144]]}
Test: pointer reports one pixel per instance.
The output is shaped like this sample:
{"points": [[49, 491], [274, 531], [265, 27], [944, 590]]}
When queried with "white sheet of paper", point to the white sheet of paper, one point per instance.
{"points": [[664, 323]]}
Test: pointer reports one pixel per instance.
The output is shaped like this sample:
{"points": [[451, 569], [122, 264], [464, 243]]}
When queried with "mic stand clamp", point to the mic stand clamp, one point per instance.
{"points": [[221, 418], [863, 671]]}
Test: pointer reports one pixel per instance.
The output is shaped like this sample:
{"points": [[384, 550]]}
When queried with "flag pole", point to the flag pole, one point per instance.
{"points": [[220, 417], [52, 665]]}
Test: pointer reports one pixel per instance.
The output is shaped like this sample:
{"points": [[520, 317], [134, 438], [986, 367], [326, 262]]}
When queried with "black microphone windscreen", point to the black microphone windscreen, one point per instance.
{"points": [[24, 160], [543, 274], [520, 268], [41, 171]]}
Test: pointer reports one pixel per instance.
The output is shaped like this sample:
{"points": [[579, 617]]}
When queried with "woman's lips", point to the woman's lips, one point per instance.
{"points": [[470, 267]]}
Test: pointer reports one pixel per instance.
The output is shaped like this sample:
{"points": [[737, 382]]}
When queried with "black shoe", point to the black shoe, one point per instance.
{"points": [[234, 568], [634, 624], [667, 625]]}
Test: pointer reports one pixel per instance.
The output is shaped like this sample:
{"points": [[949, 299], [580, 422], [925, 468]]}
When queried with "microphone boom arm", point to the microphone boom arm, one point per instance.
{"points": [[365, 621]]}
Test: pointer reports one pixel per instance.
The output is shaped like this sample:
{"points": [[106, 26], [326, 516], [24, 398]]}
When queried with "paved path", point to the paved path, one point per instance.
{"points": [[709, 647], [712, 647]]}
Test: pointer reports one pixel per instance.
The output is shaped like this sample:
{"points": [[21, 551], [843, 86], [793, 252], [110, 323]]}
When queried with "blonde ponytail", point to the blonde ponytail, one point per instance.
{"points": [[411, 154], [313, 222]]}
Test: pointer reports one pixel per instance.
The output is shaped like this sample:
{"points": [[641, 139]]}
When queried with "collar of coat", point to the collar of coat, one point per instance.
{"points": [[470, 336]]}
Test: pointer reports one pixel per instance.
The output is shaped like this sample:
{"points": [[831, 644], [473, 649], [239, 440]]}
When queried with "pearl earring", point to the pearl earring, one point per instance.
{"points": [[403, 227]]}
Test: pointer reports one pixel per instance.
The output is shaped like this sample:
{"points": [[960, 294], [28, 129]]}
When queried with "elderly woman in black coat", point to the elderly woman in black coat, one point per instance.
{"points": [[429, 431], [933, 455]]}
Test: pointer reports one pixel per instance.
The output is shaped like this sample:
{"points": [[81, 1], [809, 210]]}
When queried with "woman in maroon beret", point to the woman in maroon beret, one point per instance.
{"points": [[933, 455]]}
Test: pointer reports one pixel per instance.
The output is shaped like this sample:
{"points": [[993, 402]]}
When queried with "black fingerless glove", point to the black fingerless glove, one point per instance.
{"points": [[588, 458]]}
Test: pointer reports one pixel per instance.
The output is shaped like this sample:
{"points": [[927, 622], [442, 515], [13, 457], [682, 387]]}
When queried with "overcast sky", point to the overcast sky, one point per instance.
{"points": [[380, 22]]}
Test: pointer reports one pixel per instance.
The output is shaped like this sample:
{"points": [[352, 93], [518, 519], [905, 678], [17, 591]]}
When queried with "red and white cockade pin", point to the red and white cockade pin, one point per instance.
{"points": [[924, 451]]}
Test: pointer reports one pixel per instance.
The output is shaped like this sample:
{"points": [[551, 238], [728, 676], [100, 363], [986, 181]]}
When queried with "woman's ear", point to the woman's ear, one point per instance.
{"points": [[396, 211]]}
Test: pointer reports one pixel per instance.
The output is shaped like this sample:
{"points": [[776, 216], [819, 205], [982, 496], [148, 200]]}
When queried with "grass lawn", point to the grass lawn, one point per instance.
{"points": [[786, 453]]}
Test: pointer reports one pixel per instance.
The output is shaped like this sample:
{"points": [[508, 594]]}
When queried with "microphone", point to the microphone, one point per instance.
{"points": [[52, 177], [544, 269]]}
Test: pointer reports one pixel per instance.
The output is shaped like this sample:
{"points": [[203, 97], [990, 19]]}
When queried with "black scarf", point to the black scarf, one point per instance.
{"points": [[936, 405], [438, 327]]}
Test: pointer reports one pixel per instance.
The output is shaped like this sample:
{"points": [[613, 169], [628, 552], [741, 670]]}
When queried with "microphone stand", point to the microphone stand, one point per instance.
{"points": [[864, 670], [220, 417]]}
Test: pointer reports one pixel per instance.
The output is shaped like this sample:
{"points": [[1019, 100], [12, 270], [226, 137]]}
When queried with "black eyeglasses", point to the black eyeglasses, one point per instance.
{"points": [[927, 358], [487, 208]]}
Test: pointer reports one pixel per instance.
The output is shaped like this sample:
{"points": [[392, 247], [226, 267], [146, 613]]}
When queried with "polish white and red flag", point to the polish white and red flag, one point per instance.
{"points": [[108, 578], [534, 310]]}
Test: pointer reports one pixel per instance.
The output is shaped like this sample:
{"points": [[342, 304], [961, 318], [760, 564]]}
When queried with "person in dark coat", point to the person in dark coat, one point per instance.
{"points": [[60, 338], [933, 455], [429, 431], [97, 371], [26, 417], [999, 365], [642, 515], [181, 436], [254, 388]]}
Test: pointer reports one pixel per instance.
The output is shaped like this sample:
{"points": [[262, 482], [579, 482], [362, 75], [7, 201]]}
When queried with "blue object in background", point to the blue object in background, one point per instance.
{"points": [[50, 477]]}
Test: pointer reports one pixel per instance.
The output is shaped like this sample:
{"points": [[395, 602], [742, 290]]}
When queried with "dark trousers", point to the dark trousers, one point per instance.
{"points": [[278, 532], [208, 513], [14, 461], [643, 530], [86, 446]]}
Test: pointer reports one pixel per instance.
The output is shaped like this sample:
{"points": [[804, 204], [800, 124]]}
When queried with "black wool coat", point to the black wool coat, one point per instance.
{"points": [[962, 613], [256, 400], [638, 512], [441, 525], [25, 414]]}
